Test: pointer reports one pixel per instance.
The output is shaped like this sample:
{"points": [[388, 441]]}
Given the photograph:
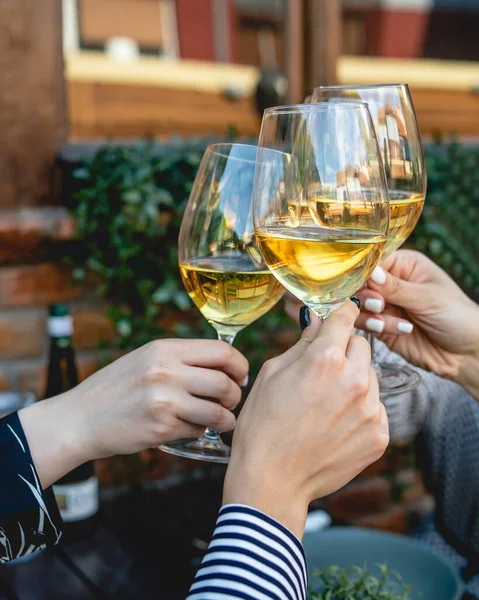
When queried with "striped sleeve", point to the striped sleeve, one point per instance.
{"points": [[251, 557]]}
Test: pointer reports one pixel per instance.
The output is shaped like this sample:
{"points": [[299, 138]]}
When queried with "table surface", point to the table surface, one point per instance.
{"points": [[148, 545]]}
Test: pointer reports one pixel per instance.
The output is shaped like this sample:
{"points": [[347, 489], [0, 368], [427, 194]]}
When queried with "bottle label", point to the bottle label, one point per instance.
{"points": [[60, 326], [77, 501]]}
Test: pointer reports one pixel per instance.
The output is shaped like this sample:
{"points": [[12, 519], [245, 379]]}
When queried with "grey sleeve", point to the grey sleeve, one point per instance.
{"points": [[444, 418]]}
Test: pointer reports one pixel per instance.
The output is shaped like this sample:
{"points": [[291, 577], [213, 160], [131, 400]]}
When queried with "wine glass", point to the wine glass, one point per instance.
{"points": [[321, 208], [397, 131], [221, 267]]}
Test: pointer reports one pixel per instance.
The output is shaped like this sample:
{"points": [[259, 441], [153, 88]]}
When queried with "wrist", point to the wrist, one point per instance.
{"points": [[56, 436], [250, 486]]}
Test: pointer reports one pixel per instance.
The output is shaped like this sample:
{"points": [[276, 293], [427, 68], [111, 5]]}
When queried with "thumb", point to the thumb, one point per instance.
{"points": [[311, 324], [394, 290]]}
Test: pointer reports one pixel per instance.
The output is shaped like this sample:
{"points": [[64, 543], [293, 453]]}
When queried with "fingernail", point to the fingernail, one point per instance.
{"points": [[375, 325], [245, 381], [304, 318], [405, 327], [379, 275], [374, 305], [356, 301]]}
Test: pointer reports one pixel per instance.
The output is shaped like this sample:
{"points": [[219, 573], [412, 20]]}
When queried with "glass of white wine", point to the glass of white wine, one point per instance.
{"points": [[320, 200], [221, 267], [394, 118]]}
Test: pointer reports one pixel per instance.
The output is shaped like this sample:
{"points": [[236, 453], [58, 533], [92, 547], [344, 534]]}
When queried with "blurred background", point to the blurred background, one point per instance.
{"points": [[105, 109]]}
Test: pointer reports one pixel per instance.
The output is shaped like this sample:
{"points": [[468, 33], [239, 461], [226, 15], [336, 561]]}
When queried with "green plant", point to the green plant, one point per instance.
{"points": [[356, 583], [130, 200], [128, 210], [128, 206], [448, 228]]}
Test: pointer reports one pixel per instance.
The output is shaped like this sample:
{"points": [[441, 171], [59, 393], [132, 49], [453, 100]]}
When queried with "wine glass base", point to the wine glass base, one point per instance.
{"points": [[202, 449], [395, 379]]}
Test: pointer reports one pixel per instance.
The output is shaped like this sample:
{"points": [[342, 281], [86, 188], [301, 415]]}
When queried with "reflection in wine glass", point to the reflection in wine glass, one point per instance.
{"points": [[399, 141], [220, 264]]}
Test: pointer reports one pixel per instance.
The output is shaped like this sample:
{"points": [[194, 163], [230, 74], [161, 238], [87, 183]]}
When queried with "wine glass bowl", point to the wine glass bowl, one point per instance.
{"points": [[320, 200], [219, 261], [394, 118]]}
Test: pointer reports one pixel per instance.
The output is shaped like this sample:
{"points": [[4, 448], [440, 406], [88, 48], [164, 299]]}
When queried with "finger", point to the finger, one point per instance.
{"points": [[371, 301], [292, 306], [358, 352], [214, 354], [206, 413], [393, 289], [308, 335], [384, 324], [210, 383], [337, 328], [184, 431]]}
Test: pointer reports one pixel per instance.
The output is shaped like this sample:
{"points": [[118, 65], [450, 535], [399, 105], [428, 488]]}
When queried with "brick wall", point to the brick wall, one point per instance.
{"points": [[25, 292]]}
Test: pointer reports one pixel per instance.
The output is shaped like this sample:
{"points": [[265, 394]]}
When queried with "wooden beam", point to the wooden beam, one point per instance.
{"points": [[33, 119], [294, 53], [323, 35]]}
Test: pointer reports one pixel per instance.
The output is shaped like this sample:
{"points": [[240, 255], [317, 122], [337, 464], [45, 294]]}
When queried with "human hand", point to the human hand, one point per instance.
{"points": [[422, 314], [144, 399], [311, 423]]}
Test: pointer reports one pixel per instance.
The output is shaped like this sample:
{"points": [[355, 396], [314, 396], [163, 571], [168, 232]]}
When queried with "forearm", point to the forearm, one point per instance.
{"points": [[52, 428], [251, 556], [245, 483]]}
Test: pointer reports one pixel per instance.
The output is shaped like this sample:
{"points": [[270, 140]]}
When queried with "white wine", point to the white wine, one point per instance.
{"points": [[405, 209], [229, 291], [322, 267]]}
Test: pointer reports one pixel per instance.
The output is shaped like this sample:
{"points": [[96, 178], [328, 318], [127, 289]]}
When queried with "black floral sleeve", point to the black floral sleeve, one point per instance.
{"points": [[29, 516]]}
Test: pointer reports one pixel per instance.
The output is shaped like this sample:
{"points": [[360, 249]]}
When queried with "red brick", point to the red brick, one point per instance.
{"points": [[91, 327], [22, 334], [395, 519], [359, 498], [36, 285], [27, 235]]}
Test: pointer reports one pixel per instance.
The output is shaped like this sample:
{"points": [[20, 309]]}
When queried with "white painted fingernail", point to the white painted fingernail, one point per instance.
{"points": [[379, 276], [373, 305], [405, 327], [244, 383], [375, 325]]}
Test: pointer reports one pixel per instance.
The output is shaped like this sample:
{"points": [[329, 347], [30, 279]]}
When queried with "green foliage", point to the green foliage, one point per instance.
{"points": [[128, 210], [354, 583], [448, 229], [128, 207]]}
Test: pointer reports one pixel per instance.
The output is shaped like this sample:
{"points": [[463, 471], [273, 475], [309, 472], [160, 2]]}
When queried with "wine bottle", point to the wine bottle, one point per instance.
{"points": [[77, 492]]}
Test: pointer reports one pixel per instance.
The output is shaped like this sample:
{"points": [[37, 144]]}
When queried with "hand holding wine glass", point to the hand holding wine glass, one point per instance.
{"points": [[335, 419], [413, 288], [148, 397], [221, 267]]}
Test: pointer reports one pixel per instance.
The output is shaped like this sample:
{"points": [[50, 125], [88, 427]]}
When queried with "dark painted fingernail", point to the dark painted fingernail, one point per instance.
{"points": [[356, 301], [304, 318]]}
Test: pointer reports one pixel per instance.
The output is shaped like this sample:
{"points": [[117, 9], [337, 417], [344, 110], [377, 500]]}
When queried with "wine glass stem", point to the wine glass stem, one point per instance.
{"points": [[210, 434]]}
